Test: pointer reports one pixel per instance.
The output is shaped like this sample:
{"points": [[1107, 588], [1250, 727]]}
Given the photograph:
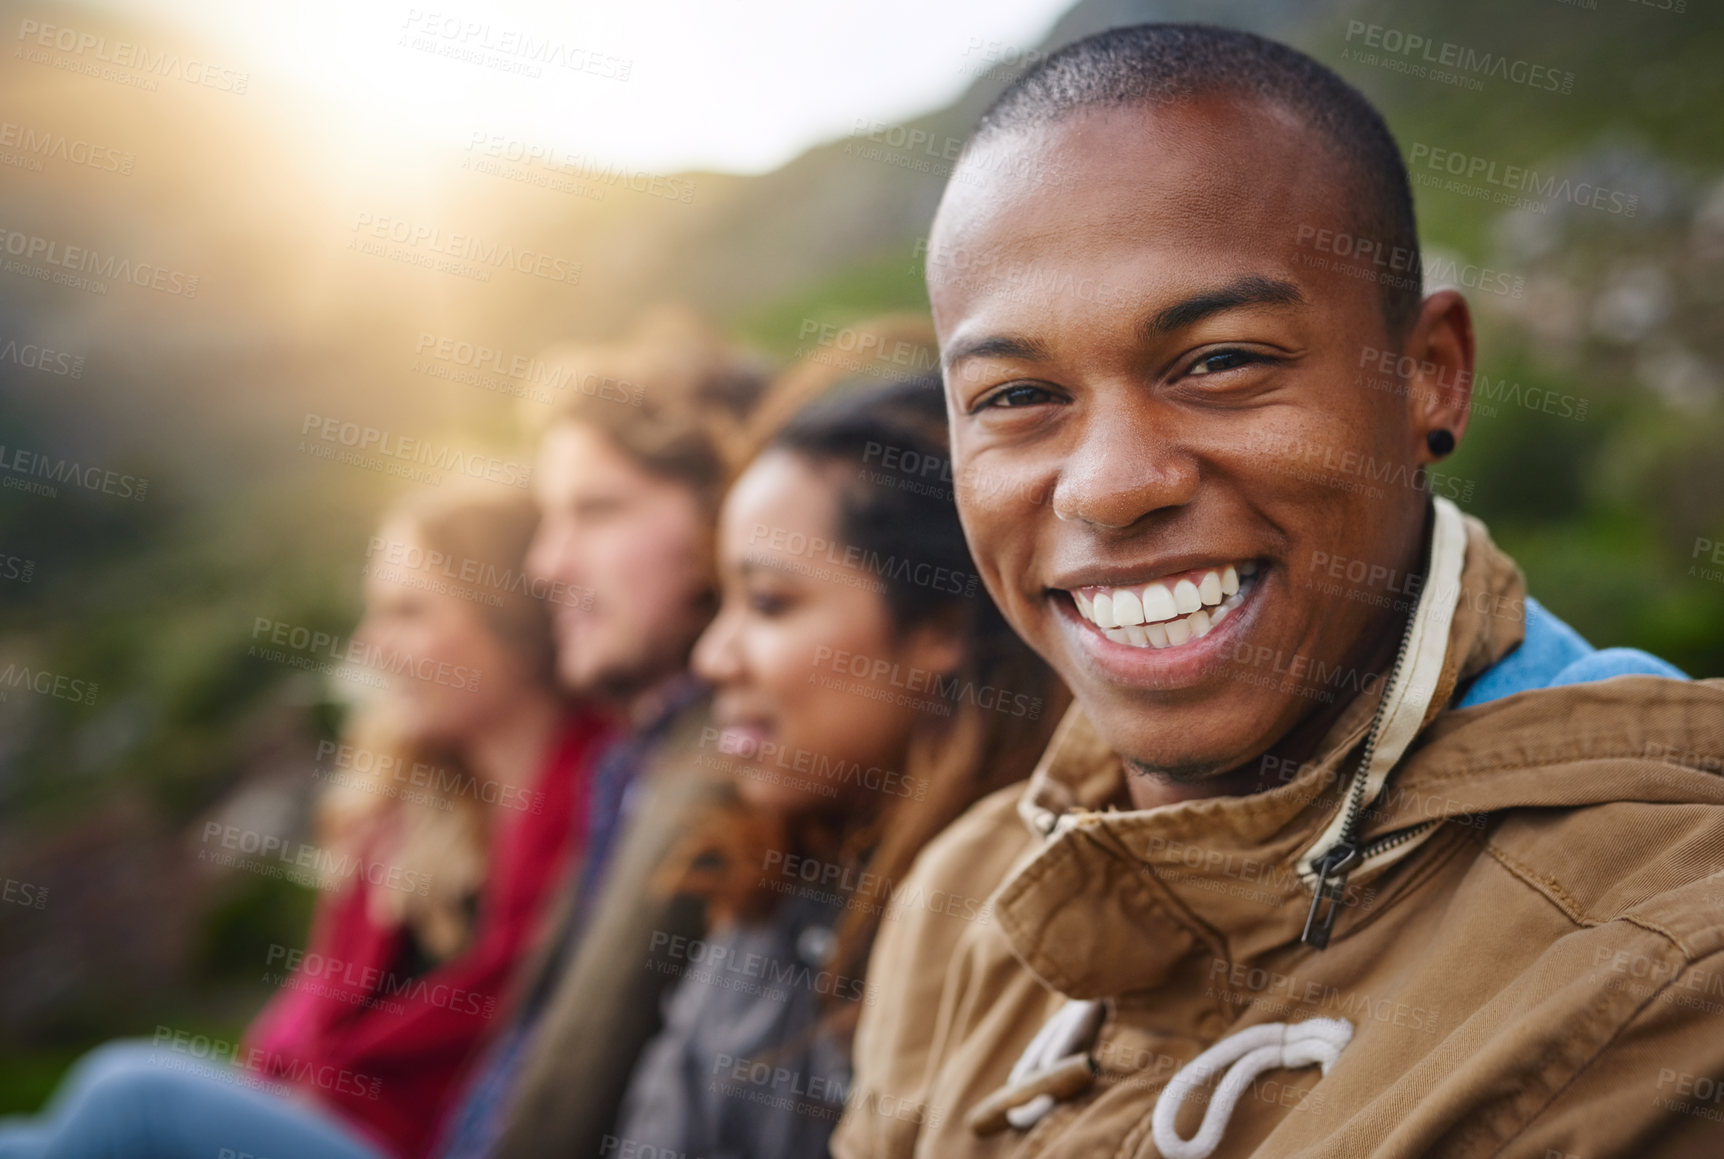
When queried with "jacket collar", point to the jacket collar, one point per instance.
{"points": [[1113, 899]]}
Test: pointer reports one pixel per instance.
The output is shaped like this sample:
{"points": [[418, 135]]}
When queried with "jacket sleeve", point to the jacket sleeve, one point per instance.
{"points": [[1657, 1089]]}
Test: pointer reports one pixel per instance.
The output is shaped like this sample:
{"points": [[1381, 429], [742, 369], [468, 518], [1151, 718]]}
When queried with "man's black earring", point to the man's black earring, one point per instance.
{"points": [[1441, 441]]}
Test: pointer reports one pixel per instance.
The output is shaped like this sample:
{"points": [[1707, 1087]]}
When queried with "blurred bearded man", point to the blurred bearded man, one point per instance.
{"points": [[629, 476]]}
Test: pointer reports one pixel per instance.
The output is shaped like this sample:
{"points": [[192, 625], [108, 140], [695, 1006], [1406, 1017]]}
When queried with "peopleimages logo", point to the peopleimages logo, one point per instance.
{"points": [[94, 54], [315, 642], [834, 771], [58, 256], [1515, 179], [34, 356], [887, 567], [1374, 260], [581, 167], [946, 687], [443, 784], [237, 1062], [508, 49], [230, 845], [39, 144], [413, 565], [462, 355], [469, 253], [1447, 61], [393, 449], [726, 967], [379, 983], [21, 677], [29, 465]]}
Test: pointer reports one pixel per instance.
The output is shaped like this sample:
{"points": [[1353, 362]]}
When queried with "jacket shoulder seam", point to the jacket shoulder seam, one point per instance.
{"points": [[1574, 911], [1542, 884], [1655, 928], [1577, 752]]}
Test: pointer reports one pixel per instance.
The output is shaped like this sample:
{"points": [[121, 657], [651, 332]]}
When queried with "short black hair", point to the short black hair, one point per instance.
{"points": [[1144, 64]]}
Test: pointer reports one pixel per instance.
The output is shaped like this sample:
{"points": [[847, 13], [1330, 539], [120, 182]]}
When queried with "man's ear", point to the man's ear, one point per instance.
{"points": [[1440, 388]]}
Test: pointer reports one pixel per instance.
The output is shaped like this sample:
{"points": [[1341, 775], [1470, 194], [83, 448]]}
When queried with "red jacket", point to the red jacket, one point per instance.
{"points": [[355, 1029]]}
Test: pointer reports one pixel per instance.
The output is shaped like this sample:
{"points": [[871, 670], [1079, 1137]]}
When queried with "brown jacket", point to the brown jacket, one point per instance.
{"points": [[1540, 974]]}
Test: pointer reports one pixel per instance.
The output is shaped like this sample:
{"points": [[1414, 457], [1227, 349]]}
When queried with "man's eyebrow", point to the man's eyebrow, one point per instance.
{"points": [[1251, 290], [998, 346]]}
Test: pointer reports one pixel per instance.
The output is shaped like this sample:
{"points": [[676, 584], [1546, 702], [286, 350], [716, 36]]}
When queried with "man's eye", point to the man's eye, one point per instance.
{"points": [[1224, 360], [1019, 394]]}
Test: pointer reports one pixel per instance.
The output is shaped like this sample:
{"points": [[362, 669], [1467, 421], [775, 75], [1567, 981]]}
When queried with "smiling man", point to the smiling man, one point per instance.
{"points": [[1347, 847]]}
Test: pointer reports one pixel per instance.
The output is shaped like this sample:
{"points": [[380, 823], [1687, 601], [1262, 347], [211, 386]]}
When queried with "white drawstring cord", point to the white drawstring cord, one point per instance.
{"points": [[1072, 1025], [1250, 1052]]}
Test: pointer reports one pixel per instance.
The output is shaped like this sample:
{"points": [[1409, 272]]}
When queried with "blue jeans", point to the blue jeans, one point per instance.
{"points": [[132, 1100]]}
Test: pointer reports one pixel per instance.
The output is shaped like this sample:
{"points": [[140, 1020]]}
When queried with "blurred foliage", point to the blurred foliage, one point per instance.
{"points": [[248, 917], [885, 286]]}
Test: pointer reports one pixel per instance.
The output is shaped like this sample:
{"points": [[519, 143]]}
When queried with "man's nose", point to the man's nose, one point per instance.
{"points": [[1128, 463]]}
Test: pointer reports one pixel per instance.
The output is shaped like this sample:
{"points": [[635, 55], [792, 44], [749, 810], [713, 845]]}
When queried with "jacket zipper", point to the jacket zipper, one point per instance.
{"points": [[1332, 870], [1346, 854]]}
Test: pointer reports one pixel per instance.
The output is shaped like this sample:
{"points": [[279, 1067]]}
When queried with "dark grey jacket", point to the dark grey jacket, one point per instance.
{"points": [[741, 1069]]}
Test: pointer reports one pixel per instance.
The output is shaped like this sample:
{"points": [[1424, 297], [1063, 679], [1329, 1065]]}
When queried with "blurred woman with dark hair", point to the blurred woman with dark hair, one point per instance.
{"points": [[451, 813], [867, 692]]}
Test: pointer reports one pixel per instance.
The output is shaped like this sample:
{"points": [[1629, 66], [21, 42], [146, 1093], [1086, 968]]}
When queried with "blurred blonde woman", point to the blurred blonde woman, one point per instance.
{"points": [[452, 809]]}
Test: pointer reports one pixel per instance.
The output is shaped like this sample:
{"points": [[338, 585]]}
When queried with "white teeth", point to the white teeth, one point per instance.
{"points": [[1164, 617], [1158, 603], [1209, 591]]}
